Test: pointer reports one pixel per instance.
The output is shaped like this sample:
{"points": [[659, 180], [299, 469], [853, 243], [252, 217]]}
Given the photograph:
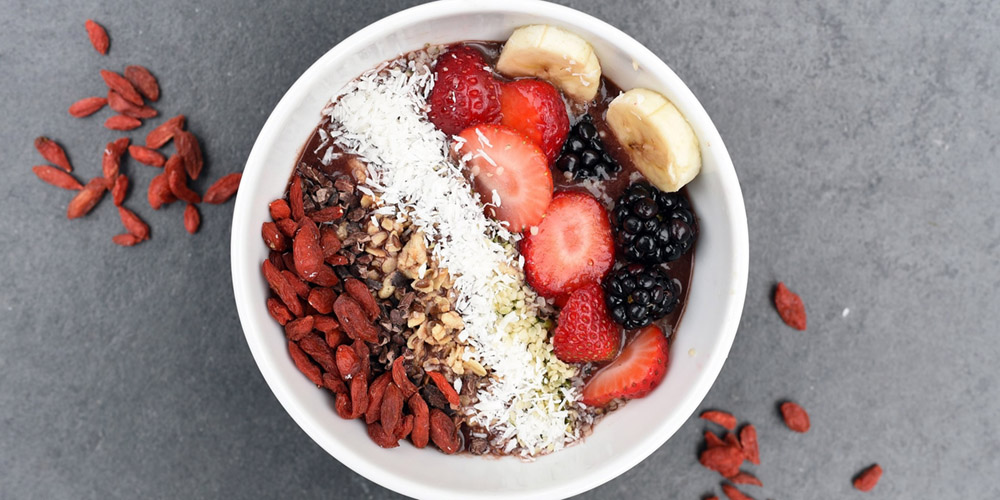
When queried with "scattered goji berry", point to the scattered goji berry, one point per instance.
{"points": [[57, 177], [53, 153], [120, 84], [192, 219], [748, 441], [223, 189], [122, 122], [790, 307], [143, 81], [133, 224], [722, 418], [87, 106], [442, 384], [98, 36], [795, 416], [188, 148], [87, 198], [868, 478], [162, 134], [119, 189], [746, 478], [734, 494]]}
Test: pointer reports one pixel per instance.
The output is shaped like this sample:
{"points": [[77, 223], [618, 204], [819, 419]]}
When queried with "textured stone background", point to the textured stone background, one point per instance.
{"points": [[865, 136]]}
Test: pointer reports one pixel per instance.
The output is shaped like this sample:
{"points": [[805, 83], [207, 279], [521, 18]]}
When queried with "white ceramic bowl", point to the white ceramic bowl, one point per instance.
{"points": [[625, 437]]}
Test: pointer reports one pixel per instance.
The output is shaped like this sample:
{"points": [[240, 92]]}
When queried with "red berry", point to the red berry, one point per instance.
{"points": [[503, 161], [573, 245], [465, 92], [536, 109], [638, 370], [585, 331]]}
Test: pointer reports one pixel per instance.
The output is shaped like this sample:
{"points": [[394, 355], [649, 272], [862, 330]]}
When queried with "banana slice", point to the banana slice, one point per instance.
{"points": [[555, 55], [657, 137]]}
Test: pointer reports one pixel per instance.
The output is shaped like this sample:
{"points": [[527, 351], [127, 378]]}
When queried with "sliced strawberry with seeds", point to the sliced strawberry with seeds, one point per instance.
{"points": [[572, 246], [633, 374], [464, 93], [585, 331], [536, 109], [510, 174]]}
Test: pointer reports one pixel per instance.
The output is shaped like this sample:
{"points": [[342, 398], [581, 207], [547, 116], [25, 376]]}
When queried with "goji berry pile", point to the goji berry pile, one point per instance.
{"points": [[127, 96]]}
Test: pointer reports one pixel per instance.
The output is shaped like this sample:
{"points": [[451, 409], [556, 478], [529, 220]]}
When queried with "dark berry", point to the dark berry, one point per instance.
{"points": [[583, 154], [653, 226], [650, 295]]}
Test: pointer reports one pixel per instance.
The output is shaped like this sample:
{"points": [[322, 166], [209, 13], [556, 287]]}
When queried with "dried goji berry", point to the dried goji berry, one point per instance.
{"points": [[322, 299], [405, 427], [342, 403], [359, 397], [282, 288], [305, 247], [120, 84], [421, 420], [790, 307], [98, 36], [328, 214], [442, 384], [122, 122], [720, 417], [746, 478], [334, 338], [143, 81], [724, 459], [125, 239], [321, 353], [275, 258], [730, 439], [133, 224], [328, 240], [748, 441], [364, 355], [326, 324], [57, 177], [360, 292], [87, 106], [334, 384], [192, 219], [401, 379], [348, 362], [289, 261], [295, 198], [298, 328], [381, 437], [120, 189], [223, 189], [87, 198], [278, 311], [53, 153], [353, 319], [122, 106], [273, 237], [375, 393], [443, 432], [163, 133], [337, 260], [177, 179], [325, 277], [287, 227], [188, 148], [159, 192], [279, 209], [391, 411], [868, 478], [304, 364], [301, 288], [111, 158], [146, 156], [795, 416], [734, 494], [712, 440]]}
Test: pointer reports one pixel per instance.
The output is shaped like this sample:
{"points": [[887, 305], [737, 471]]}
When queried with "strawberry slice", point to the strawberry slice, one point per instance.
{"points": [[464, 93], [572, 247], [585, 331], [637, 371], [536, 109], [509, 172]]}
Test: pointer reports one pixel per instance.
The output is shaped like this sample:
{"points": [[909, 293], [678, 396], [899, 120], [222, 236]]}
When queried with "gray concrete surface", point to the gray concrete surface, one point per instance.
{"points": [[865, 136]]}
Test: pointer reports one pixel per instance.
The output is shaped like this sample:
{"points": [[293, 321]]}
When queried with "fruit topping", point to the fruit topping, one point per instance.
{"points": [[585, 332], [653, 226], [583, 153], [658, 139], [465, 92], [634, 373], [509, 172], [571, 247], [555, 55], [535, 109], [638, 295]]}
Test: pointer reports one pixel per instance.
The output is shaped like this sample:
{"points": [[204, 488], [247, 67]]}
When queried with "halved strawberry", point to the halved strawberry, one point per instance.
{"points": [[509, 172], [573, 245], [464, 93], [585, 331], [633, 374], [536, 109]]}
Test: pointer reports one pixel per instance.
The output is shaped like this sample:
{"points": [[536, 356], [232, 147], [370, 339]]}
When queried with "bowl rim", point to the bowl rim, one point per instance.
{"points": [[732, 195]]}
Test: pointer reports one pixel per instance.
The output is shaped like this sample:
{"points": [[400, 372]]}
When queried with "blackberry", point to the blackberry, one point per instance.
{"points": [[653, 226], [639, 294], [583, 154]]}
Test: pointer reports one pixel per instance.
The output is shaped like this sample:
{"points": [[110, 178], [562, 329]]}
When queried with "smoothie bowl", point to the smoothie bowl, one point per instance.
{"points": [[489, 251]]}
